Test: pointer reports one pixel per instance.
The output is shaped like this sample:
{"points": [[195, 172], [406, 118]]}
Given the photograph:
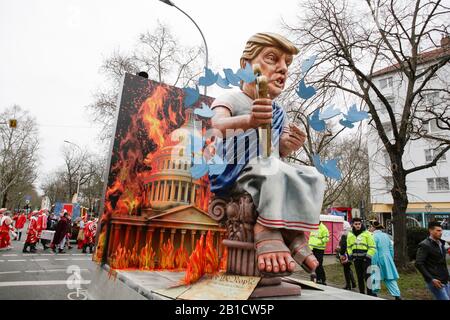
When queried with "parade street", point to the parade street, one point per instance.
{"points": [[43, 275]]}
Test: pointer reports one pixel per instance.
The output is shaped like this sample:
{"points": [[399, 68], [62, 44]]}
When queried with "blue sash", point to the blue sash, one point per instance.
{"points": [[237, 151]]}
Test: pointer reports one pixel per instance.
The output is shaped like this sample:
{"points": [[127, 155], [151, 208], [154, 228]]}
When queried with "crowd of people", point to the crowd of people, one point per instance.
{"points": [[371, 252], [52, 230]]}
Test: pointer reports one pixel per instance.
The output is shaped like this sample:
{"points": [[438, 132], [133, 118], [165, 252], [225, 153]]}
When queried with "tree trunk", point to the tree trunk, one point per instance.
{"points": [[4, 199], [400, 198]]}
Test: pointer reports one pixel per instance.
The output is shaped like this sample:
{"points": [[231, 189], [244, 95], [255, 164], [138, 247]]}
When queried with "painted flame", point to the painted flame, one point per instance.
{"points": [[211, 255], [167, 256]]}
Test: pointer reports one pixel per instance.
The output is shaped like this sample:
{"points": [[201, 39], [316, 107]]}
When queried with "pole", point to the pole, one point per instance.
{"points": [[170, 3]]}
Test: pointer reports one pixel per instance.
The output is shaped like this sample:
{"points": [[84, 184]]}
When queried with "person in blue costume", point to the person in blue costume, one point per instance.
{"points": [[288, 197], [384, 268]]}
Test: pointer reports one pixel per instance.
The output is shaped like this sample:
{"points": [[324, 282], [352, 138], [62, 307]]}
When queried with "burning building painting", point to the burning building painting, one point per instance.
{"points": [[154, 212]]}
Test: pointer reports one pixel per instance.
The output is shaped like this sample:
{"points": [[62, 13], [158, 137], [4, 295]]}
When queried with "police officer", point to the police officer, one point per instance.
{"points": [[318, 242], [361, 248]]}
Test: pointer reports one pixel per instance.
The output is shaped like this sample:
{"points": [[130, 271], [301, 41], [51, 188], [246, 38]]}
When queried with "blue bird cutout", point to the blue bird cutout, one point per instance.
{"points": [[223, 82], [216, 165], [315, 122], [209, 79], [305, 92], [307, 64], [346, 123], [232, 78], [353, 115], [191, 96], [205, 111], [329, 113], [327, 168], [246, 74]]}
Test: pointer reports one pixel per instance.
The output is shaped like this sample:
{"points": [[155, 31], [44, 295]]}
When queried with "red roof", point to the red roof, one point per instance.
{"points": [[424, 57]]}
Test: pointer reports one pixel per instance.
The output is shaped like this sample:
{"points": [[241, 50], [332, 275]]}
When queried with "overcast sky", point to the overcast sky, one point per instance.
{"points": [[51, 51]]}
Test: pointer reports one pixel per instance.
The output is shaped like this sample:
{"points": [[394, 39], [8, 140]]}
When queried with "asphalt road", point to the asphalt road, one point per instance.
{"points": [[44, 275]]}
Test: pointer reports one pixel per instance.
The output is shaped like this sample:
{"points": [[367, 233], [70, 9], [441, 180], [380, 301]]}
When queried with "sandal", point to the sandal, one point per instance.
{"points": [[300, 251], [269, 247]]}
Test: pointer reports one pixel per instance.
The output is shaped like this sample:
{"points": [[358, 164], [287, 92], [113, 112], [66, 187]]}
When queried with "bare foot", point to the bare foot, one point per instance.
{"points": [[299, 236], [277, 261]]}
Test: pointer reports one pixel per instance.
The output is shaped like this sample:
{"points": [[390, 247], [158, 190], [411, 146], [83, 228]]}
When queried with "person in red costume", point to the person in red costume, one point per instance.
{"points": [[32, 234], [90, 230], [5, 227], [42, 225], [20, 223]]}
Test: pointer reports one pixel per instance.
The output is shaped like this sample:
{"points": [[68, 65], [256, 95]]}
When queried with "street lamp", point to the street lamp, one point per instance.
{"points": [[170, 3], [79, 172]]}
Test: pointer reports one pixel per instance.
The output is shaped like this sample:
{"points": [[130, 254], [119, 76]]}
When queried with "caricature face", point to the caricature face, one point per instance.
{"points": [[274, 65]]}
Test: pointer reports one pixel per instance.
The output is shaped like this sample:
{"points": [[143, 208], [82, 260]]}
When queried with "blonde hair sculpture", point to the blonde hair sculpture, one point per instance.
{"points": [[261, 40]]}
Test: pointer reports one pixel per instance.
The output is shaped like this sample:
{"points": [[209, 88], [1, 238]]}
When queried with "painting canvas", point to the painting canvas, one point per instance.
{"points": [[154, 212]]}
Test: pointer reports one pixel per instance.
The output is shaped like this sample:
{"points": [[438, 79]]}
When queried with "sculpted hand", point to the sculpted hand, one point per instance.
{"points": [[261, 113], [291, 140]]}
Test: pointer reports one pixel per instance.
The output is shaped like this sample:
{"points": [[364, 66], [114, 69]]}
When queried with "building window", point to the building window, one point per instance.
{"points": [[183, 191], [422, 78], [179, 165], [173, 164], [169, 191], [437, 184], [430, 154], [391, 102], [432, 125], [161, 191], [189, 193], [386, 83], [156, 191], [177, 190], [431, 99], [185, 166]]}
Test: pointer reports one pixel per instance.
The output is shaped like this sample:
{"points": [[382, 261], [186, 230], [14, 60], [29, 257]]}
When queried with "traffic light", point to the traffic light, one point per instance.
{"points": [[13, 123]]}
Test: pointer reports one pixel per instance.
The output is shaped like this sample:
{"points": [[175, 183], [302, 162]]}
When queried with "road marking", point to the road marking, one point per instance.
{"points": [[56, 270], [38, 259], [40, 283], [48, 254], [61, 259], [18, 260], [9, 255], [8, 272], [2, 260], [51, 270]]}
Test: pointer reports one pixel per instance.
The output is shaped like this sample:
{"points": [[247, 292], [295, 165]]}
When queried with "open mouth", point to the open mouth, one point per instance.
{"points": [[279, 83]]}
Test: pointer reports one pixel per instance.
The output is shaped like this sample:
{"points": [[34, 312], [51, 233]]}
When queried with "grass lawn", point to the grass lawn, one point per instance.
{"points": [[412, 285]]}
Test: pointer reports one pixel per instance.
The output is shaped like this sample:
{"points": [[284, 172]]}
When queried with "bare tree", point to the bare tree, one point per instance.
{"points": [[352, 39], [333, 143], [88, 169], [54, 187], [18, 152], [156, 52]]}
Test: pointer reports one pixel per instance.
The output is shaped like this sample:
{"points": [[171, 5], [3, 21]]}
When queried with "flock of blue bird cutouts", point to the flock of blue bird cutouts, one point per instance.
{"points": [[317, 120]]}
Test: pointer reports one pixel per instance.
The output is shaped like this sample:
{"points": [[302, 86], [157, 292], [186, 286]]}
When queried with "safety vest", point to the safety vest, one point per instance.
{"points": [[319, 239], [362, 245]]}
